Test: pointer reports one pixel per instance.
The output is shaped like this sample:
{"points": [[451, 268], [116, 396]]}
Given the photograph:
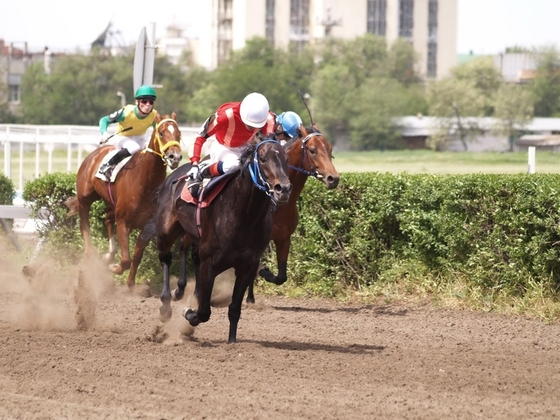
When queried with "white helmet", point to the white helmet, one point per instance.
{"points": [[254, 110]]}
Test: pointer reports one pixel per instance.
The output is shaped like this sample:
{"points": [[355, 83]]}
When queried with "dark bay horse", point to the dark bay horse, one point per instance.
{"points": [[232, 232], [310, 154], [129, 199]]}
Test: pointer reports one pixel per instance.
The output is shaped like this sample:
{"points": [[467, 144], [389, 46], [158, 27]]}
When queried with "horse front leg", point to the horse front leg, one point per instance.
{"points": [[203, 293], [282, 251], [142, 241], [123, 233], [109, 257], [243, 279], [165, 310], [179, 292]]}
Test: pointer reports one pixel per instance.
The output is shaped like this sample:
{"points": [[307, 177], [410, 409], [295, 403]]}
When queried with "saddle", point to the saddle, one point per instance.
{"points": [[115, 170], [207, 192]]}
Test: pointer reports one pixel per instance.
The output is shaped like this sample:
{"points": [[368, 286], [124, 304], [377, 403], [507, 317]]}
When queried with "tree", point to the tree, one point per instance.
{"points": [[5, 116], [546, 84], [455, 103], [484, 76], [513, 107], [79, 90]]}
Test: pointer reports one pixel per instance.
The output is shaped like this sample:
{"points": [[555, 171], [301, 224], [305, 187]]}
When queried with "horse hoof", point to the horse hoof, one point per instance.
{"points": [[116, 268], [108, 258], [165, 313], [191, 316], [176, 295], [250, 300]]}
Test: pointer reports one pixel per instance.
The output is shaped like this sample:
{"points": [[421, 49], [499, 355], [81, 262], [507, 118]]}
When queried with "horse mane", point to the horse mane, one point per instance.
{"points": [[248, 150]]}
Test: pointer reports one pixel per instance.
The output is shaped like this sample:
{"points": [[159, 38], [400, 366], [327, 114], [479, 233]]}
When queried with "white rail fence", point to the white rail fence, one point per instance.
{"points": [[78, 141]]}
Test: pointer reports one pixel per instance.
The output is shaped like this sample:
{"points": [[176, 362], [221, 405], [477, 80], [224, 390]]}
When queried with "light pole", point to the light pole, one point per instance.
{"points": [[123, 98]]}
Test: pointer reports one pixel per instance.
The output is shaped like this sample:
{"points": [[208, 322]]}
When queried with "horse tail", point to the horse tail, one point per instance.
{"points": [[72, 204]]}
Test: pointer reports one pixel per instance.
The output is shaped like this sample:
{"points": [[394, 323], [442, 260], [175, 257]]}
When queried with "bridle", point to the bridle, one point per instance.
{"points": [[255, 171], [305, 158], [162, 147]]}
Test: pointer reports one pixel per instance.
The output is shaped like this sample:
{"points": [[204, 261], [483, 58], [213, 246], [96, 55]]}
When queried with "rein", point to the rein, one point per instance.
{"points": [[162, 147], [305, 158], [255, 171]]}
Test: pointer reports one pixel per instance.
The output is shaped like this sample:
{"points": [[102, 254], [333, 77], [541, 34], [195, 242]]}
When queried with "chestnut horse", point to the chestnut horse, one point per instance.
{"points": [[310, 154], [129, 199], [231, 232]]}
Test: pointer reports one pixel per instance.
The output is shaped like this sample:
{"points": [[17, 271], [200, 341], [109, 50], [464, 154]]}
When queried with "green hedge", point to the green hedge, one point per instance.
{"points": [[498, 231]]}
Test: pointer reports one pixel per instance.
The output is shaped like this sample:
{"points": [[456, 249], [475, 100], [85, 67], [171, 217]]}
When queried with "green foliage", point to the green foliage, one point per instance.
{"points": [[546, 85], [79, 90], [499, 232], [7, 190]]}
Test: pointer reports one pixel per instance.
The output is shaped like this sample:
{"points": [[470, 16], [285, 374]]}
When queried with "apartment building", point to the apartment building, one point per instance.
{"points": [[430, 25]]}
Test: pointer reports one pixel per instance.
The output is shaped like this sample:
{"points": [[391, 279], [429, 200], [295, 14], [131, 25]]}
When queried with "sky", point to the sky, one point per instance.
{"points": [[484, 26]]}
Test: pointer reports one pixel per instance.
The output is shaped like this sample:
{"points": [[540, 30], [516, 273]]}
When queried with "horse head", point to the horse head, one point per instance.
{"points": [[316, 156], [167, 140], [268, 165]]}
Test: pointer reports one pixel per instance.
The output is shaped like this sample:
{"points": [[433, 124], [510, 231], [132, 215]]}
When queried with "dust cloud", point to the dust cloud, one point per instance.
{"points": [[47, 297]]}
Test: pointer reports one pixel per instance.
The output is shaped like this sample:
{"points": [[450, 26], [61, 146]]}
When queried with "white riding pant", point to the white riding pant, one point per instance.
{"points": [[131, 143], [229, 156]]}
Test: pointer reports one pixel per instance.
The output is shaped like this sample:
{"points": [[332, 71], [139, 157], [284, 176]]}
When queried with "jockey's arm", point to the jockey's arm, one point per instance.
{"points": [[116, 116]]}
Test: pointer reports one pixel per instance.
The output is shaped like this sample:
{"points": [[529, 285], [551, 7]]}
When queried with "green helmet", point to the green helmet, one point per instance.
{"points": [[145, 92]]}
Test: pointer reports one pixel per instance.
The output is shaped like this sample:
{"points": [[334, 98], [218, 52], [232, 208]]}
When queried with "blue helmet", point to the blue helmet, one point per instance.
{"points": [[290, 122]]}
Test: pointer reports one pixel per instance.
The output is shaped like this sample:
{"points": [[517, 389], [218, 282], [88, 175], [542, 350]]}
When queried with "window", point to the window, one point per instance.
{"points": [[432, 38], [299, 23], [225, 24], [406, 18], [377, 17], [269, 24], [14, 83]]}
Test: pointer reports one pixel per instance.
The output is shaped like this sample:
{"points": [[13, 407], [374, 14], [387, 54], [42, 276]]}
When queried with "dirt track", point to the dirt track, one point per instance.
{"points": [[93, 351]]}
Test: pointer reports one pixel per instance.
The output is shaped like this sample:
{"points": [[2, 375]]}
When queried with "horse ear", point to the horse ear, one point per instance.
{"points": [[158, 117], [174, 116]]}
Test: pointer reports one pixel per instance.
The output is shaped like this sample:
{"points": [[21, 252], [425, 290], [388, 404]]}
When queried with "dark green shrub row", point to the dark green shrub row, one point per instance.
{"points": [[499, 231]]}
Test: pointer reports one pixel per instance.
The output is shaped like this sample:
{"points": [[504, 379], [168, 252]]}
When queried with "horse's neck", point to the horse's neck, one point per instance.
{"points": [[256, 201], [297, 178]]}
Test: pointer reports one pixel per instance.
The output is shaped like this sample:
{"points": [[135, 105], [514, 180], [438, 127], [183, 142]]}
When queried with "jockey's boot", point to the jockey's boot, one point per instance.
{"points": [[205, 170], [107, 168]]}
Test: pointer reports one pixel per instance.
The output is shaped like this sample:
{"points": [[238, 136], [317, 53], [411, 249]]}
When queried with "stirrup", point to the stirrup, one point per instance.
{"points": [[194, 186], [106, 169]]}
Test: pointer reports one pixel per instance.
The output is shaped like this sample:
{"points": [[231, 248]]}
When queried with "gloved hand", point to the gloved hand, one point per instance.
{"points": [[104, 137], [193, 172]]}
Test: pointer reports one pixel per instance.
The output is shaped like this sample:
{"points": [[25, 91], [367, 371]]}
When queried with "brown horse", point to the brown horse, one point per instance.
{"points": [[232, 232], [310, 154], [129, 199]]}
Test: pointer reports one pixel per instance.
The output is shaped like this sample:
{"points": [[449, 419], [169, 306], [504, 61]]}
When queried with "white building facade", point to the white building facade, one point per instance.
{"points": [[430, 25]]}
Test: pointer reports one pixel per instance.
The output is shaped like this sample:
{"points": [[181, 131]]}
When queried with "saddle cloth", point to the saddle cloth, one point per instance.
{"points": [[117, 168]]}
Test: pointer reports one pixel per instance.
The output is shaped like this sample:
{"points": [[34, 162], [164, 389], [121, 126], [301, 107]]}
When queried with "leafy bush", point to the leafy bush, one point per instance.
{"points": [[500, 232], [7, 190]]}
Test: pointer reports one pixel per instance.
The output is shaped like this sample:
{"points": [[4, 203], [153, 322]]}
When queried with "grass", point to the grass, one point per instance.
{"points": [[427, 161], [411, 161]]}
